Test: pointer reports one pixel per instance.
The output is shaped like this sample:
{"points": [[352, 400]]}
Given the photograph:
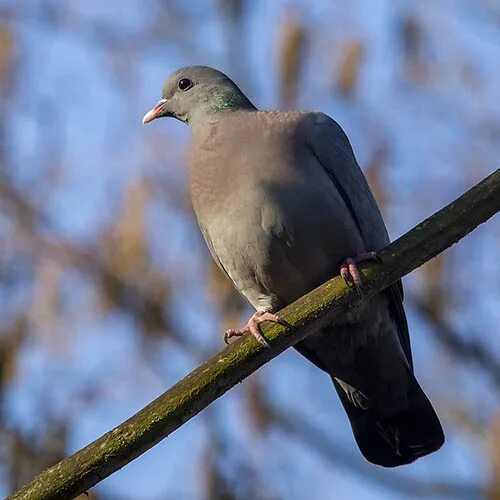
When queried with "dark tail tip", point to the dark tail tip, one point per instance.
{"points": [[398, 439]]}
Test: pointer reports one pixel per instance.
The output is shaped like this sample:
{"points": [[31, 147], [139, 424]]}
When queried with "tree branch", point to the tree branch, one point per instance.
{"points": [[209, 381]]}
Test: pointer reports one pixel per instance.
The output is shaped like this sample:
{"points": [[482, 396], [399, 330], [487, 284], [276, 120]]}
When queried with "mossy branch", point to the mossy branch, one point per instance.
{"points": [[322, 306]]}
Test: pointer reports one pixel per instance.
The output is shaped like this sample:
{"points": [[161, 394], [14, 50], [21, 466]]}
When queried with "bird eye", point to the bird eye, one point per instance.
{"points": [[185, 83]]}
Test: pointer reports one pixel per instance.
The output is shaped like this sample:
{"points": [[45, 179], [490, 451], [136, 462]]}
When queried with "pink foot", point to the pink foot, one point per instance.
{"points": [[350, 271], [253, 327]]}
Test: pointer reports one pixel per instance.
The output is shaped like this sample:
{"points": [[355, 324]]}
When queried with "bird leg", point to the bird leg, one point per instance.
{"points": [[350, 271], [253, 327]]}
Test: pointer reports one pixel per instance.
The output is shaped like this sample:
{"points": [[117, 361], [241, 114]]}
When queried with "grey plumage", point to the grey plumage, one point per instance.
{"points": [[281, 201]]}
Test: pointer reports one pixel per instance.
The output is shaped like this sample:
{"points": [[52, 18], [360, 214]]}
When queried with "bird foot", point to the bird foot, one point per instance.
{"points": [[350, 272], [253, 327]]}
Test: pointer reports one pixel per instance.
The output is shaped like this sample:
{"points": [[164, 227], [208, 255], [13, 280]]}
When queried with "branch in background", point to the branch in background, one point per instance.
{"points": [[469, 350], [143, 305], [315, 310], [336, 453]]}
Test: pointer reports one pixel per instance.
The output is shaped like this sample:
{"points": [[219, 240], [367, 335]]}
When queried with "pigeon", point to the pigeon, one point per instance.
{"points": [[283, 206]]}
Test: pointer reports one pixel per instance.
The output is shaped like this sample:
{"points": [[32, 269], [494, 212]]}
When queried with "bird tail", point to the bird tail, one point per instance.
{"points": [[399, 438]]}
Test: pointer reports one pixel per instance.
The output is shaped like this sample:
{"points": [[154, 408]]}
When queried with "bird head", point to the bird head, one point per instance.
{"points": [[196, 91]]}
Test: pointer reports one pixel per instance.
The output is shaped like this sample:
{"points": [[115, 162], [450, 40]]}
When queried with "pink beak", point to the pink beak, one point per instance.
{"points": [[154, 113]]}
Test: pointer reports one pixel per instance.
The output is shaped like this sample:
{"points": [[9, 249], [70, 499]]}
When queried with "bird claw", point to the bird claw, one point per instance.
{"points": [[253, 328], [350, 271]]}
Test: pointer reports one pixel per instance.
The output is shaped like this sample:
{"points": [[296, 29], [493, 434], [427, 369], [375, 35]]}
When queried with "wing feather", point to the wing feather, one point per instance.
{"points": [[331, 147]]}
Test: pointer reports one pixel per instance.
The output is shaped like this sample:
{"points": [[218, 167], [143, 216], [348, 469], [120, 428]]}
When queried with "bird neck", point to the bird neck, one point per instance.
{"points": [[229, 99], [220, 102]]}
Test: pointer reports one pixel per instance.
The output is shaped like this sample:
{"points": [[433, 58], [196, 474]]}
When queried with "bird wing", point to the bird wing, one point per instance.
{"points": [[331, 147]]}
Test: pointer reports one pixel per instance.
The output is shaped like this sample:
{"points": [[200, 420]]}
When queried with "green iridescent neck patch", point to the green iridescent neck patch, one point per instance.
{"points": [[229, 99]]}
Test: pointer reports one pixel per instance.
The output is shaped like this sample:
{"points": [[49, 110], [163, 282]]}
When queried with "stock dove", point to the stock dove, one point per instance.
{"points": [[282, 205]]}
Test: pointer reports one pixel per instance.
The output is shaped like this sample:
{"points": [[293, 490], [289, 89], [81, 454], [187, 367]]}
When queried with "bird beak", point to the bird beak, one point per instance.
{"points": [[154, 113]]}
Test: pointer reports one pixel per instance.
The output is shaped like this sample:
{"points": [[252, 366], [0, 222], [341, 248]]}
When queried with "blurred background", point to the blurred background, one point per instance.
{"points": [[108, 294]]}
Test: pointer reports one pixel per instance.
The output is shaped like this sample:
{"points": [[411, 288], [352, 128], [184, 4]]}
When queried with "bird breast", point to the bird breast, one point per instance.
{"points": [[271, 216]]}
